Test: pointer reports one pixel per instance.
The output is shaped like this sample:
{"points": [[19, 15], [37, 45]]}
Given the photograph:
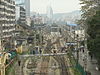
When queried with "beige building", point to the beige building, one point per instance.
{"points": [[81, 34]]}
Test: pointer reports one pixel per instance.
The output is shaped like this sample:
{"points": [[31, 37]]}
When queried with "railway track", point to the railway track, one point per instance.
{"points": [[45, 61], [44, 71], [44, 66], [59, 59]]}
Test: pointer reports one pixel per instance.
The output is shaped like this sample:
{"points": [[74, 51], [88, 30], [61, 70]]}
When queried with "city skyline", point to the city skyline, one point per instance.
{"points": [[58, 6]]}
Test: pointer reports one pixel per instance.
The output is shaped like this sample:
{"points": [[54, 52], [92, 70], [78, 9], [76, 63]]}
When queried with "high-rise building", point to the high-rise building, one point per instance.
{"points": [[27, 7], [25, 4], [20, 2], [20, 15], [7, 19], [49, 15], [49, 12]]}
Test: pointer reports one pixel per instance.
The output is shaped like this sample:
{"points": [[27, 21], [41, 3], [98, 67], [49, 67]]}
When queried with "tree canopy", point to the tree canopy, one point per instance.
{"points": [[91, 21]]}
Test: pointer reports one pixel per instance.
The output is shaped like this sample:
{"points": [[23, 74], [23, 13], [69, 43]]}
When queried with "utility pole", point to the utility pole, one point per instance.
{"points": [[1, 37], [35, 39], [77, 50]]}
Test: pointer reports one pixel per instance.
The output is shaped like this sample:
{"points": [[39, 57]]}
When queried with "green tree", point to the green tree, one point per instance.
{"points": [[91, 21], [94, 32], [32, 23], [88, 8]]}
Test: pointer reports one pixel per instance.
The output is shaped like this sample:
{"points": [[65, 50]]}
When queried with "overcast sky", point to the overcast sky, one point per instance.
{"points": [[58, 6]]}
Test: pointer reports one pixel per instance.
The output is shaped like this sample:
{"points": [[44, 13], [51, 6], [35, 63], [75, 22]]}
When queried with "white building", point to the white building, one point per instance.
{"points": [[81, 34], [27, 7], [20, 14], [28, 21], [50, 15], [55, 30], [25, 4], [7, 19]]}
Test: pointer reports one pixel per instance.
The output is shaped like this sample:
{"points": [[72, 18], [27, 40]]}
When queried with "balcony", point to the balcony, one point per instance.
{"points": [[2, 6], [6, 30]]}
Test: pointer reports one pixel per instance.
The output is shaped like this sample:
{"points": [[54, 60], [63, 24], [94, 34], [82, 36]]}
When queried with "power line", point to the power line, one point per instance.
{"points": [[51, 54]]}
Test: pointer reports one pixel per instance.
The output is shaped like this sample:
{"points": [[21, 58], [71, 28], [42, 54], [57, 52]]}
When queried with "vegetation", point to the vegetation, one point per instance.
{"points": [[91, 22], [94, 33], [10, 69], [75, 67], [32, 23]]}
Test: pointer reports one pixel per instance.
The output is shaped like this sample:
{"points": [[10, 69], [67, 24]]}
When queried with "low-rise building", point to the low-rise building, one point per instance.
{"points": [[22, 33], [81, 34], [55, 30]]}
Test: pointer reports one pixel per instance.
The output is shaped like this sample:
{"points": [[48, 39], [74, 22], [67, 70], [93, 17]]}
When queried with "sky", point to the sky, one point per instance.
{"points": [[58, 6]]}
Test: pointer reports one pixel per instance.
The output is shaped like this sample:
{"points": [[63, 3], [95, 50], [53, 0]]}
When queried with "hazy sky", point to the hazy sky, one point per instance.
{"points": [[58, 6]]}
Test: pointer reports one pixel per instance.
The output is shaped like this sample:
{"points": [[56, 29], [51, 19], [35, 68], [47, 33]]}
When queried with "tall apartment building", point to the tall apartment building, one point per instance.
{"points": [[27, 7], [20, 15], [25, 4], [7, 19]]}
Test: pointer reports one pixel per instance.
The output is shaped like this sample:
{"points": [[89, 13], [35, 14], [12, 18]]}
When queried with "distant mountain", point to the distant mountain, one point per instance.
{"points": [[58, 15], [69, 17]]}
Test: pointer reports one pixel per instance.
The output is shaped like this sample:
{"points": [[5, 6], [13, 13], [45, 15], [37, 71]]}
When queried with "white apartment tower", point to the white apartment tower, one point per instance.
{"points": [[27, 7], [20, 15], [25, 4], [7, 19]]}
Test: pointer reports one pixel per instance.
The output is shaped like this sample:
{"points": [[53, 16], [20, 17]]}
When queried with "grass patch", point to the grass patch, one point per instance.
{"points": [[10, 69], [73, 64], [76, 72]]}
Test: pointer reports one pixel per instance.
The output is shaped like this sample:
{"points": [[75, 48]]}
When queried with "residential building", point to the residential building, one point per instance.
{"points": [[28, 21], [27, 7], [20, 3], [20, 15], [7, 19], [22, 33], [81, 34], [55, 30], [38, 19], [25, 4]]}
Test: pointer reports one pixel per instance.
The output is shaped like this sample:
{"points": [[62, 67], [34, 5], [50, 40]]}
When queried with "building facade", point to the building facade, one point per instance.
{"points": [[27, 7], [20, 15], [25, 4], [20, 3], [7, 19], [49, 15]]}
